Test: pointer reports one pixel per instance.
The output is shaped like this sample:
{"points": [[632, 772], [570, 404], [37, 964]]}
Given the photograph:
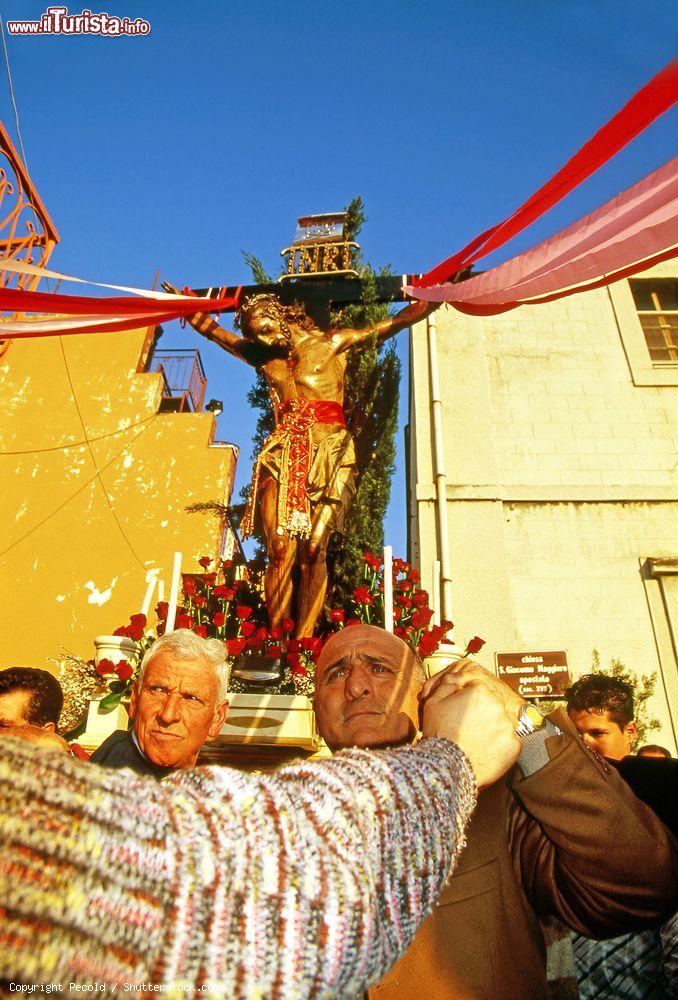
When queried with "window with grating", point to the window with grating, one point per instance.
{"points": [[656, 302]]}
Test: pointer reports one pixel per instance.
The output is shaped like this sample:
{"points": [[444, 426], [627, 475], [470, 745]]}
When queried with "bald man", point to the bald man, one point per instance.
{"points": [[529, 853]]}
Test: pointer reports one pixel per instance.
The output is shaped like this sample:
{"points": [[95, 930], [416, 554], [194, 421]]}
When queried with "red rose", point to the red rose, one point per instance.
{"points": [[446, 625], [200, 601], [403, 602], [160, 629], [420, 598], [274, 651], [414, 576], [294, 646], [201, 630], [255, 642], [105, 666], [287, 625], [235, 646], [204, 561], [247, 628], [337, 616], [475, 644], [218, 619], [161, 610], [226, 564], [243, 612], [372, 561], [398, 565], [261, 633], [123, 630], [124, 670], [138, 620], [189, 585], [228, 593], [294, 660], [275, 633], [78, 751], [183, 621], [299, 671], [353, 621], [209, 579]]}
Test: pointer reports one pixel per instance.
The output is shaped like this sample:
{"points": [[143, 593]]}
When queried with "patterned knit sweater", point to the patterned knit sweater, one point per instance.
{"points": [[309, 882]]}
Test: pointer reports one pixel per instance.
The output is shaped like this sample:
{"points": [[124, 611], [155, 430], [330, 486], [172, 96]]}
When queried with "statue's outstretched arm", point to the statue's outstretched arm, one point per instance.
{"points": [[386, 328], [207, 327]]}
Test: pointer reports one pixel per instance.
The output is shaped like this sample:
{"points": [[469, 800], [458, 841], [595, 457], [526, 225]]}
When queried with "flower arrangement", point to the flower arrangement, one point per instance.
{"points": [[412, 615], [215, 603]]}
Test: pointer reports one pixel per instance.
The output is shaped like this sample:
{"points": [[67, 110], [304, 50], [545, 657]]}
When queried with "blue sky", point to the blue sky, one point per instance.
{"points": [[212, 134]]}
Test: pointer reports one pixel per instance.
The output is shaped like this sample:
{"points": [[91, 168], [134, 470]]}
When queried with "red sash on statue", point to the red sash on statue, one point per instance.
{"points": [[294, 422]]}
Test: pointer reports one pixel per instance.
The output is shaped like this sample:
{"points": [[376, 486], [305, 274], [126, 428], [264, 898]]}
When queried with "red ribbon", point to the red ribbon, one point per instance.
{"points": [[656, 97]]}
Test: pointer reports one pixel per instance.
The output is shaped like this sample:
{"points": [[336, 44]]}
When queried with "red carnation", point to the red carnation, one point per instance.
{"points": [[337, 616], [228, 593], [218, 619], [204, 561], [201, 630], [124, 670], [235, 646], [421, 618], [475, 645], [200, 601], [243, 612], [363, 595], [105, 666], [247, 628], [184, 621], [372, 561], [287, 624], [161, 610], [275, 633], [274, 651], [427, 646]]}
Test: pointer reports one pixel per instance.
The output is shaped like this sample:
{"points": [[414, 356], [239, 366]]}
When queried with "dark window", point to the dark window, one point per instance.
{"points": [[657, 305]]}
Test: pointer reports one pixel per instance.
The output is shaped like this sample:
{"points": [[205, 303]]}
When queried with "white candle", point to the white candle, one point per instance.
{"points": [[174, 593], [161, 590], [151, 578], [388, 588]]}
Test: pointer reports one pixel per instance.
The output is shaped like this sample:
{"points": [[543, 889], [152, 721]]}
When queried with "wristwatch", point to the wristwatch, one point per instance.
{"points": [[530, 721]]}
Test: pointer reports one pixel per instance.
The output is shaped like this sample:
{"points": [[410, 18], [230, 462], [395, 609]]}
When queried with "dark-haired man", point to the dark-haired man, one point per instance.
{"points": [[601, 708], [546, 841], [639, 964], [30, 697]]}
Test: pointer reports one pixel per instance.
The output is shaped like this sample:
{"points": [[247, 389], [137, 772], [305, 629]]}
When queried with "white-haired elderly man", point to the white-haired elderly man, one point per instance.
{"points": [[179, 700]]}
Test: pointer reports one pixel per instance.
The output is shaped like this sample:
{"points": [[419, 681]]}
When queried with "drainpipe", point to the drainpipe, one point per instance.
{"points": [[439, 471]]}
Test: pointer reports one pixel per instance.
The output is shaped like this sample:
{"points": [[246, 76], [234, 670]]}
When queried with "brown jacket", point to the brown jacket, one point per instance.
{"points": [[569, 841]]}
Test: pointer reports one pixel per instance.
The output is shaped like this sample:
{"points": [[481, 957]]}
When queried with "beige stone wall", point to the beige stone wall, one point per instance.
{"points": [[76, 544], [561, 460]]}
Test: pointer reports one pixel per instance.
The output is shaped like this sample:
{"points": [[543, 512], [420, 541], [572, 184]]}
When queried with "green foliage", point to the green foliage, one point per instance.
{"points": [[260, 275], [643, 689]]}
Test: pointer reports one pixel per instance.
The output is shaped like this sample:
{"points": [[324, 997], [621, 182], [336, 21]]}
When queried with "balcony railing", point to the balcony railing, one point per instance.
{"points": [[184, 380]]}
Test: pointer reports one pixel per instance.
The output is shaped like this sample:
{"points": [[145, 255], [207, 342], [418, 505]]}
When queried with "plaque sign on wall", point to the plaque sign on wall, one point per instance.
{"points": [[535, 675]]}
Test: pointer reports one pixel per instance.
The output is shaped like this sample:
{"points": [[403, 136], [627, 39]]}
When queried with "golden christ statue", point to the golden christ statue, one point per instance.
{"points": [[304, 476]]}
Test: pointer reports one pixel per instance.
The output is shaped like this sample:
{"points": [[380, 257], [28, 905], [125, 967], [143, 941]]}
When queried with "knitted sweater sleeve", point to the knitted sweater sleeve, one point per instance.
{"points": [[309, 882]]}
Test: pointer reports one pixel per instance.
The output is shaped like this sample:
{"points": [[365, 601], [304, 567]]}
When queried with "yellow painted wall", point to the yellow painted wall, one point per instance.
{"points": [[75, 545]]}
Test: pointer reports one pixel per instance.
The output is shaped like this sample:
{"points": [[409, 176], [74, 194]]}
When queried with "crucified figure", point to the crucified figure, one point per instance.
{"points": [[304, 476]]}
